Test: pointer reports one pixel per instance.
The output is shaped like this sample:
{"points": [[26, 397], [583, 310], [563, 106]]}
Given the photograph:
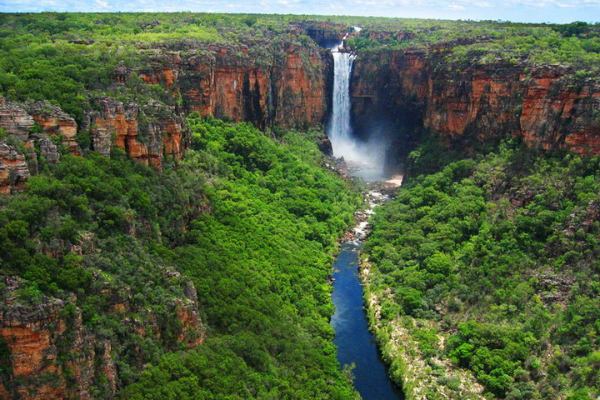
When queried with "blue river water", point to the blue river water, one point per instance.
{"points": [[355, 342]]}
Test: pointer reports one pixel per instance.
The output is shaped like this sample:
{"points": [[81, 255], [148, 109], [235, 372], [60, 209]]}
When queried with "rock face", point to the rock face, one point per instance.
{"points": [[17, 143], [147, 133], [542, 104], [14, 170], [286, 89], [48, 339], [28, 335], [54, 121], [14, 119]]}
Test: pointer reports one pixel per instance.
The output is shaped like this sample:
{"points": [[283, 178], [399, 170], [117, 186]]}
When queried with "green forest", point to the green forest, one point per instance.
{"points": [[251, 218], [497, 256]]}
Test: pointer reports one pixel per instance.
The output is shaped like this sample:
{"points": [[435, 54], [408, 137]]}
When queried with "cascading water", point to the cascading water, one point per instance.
{"points": [[365, 158], [340, 131]]}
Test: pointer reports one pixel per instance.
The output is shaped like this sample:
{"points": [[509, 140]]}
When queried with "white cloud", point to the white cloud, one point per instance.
{"points": [[463, 5], [102, 3], [288, 3], [554, 3], [387, 3]]}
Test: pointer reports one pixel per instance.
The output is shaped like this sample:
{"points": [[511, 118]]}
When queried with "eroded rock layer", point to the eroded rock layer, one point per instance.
{"points": [[148, 133], [545, 105], [53, 355], [286, 89]]}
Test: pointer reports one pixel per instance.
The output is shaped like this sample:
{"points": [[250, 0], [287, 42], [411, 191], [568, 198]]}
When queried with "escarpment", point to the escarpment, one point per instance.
{"points": [[545, 105], [148, 132], [286, 88], [288, 84], [33, 133]]}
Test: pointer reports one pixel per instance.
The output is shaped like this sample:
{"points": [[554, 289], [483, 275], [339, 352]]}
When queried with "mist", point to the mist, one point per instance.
{"points": [[365, 158]]}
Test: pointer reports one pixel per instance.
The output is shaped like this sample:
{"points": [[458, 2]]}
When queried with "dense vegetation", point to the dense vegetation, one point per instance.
{"points": [[576, 44], [498, 254], [251, 220], [260, 262]]}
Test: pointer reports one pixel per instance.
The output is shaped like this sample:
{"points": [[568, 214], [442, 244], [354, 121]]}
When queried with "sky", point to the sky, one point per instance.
{"points": [[556, 11]]}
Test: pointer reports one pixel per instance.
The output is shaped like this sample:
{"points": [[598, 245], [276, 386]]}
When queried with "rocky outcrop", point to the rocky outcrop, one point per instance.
{"points": [[14, 170], [148, 133], [14, 119], [29, 333], [544, 105], [53, 355], [325, 146], [18, 141], [54, 121]]}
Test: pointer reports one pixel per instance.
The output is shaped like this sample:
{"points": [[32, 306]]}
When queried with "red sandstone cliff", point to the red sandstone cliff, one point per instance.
{"points": [[19, 139], [543, 105], [287, 89], [147, 133], [54, 356], [54, 121]]}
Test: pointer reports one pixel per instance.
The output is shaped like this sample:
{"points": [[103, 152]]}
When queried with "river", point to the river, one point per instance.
{"points": [[356, 345], [355, 342]]}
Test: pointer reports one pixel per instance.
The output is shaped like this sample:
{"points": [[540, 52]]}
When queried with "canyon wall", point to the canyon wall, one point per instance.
{"points": [[287, 89], [52, 354], [544, 105], [148, 133], [288, 84]]}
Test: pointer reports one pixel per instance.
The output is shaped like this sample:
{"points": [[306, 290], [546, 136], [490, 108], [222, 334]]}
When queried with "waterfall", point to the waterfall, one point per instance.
{"points": [[366, 159], [340, 132]]}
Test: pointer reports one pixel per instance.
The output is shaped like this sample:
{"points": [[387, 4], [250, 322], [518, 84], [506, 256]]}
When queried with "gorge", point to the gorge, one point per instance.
{"points": [[168, 218], [395, 96]]}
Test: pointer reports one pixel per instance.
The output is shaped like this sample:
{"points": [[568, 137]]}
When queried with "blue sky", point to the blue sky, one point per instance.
{"points": [[514, 10]]}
